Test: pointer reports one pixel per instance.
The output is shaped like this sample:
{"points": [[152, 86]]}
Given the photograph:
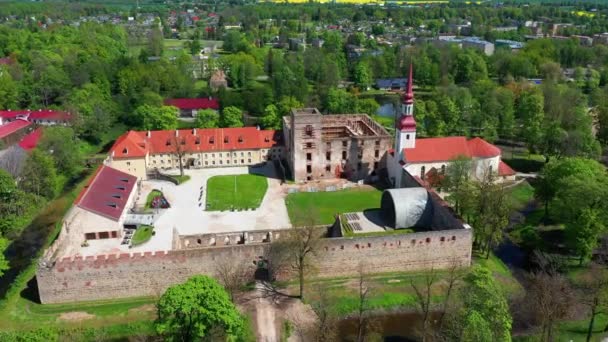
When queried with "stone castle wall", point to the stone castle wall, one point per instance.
{"points": [[149, 274]]}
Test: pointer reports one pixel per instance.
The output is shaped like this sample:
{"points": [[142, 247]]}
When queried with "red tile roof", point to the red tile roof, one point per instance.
{"points": [[12, 114], [407, 124], [135, 144], [449, 148], [41, 114], [482, 149], [30, 141], [12, 127], [107, 193], [199, 103], [505, 170]]}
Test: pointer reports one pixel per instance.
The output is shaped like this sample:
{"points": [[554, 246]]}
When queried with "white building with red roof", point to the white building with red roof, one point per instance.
{"points": [[424, 157], [43, 117], [100, 210], [140, 152]]}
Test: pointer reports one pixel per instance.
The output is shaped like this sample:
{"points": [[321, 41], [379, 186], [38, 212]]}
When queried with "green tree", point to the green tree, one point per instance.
{"points": [[584, 232], [339, 101], [368, 106], [271, 118], [362, 75], [457, 182], [231, 117], [482, 294], [199, 308], [557, 173], [476, 328], [531, 110], [207, 118], [3, 262], [156, 118], [39, 176], [63, 145], [95, 111], [9, 93], [286, 104]]}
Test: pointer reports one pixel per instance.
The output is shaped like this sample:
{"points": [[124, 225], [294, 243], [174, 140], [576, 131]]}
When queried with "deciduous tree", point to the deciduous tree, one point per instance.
{"points": [[207, 118], [63, 145], [39, 176], [156, 118], [231, 117], [199, 308]]}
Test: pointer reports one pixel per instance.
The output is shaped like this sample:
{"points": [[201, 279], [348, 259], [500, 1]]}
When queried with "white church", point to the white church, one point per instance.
{"points": [[426, 158]]}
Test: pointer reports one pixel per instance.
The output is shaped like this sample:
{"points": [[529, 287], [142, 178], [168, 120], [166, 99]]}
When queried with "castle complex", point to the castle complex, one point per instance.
{"points": [[91, 261]]}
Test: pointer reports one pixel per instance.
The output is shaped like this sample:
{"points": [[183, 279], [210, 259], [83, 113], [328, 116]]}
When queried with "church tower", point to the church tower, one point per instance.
{"points": [[405, 132]]}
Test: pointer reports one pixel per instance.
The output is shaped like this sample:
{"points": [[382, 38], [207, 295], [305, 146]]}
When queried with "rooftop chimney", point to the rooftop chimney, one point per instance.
{"points": [[176, 133], [194, 131], [149, 134]]}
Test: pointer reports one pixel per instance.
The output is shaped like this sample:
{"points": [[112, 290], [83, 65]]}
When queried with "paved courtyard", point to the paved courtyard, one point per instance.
{"points": [[187, 215]]}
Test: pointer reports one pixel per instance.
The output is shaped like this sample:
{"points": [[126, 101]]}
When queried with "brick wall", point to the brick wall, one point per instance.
{"points": [[149, 274]]}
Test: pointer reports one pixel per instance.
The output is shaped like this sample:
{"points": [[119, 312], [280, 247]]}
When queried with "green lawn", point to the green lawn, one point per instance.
{"points": [[181, 179], [235, 192], [521, 195], [325, 205], [142, 235]]}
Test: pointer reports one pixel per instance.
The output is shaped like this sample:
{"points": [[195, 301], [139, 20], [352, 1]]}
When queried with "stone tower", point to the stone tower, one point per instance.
{"points": [[305, 143]]}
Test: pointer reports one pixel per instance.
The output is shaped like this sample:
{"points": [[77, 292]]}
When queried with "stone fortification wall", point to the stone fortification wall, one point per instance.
{"points": [[149, 274]]}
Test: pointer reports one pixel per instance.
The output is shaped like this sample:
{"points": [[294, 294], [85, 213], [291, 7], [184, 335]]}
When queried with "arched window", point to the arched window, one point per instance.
{"points": [[422, 172]]}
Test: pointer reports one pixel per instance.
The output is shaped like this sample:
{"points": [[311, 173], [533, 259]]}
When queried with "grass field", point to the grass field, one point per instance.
{"points": [[394, 290], [235, 192], [521, 194], [325, 205]]}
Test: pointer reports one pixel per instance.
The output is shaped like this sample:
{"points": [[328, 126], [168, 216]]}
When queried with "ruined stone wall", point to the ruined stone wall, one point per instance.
{"points": [[149, 274]]}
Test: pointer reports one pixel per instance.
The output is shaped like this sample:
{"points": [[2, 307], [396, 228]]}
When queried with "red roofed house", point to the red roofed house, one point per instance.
{"points": [[30, 141], [13, 131], [45, 117], [101, 208], [139, 153], [190, 107], [429, 157]]}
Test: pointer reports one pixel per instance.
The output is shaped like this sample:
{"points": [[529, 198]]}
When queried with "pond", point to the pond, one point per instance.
{"points": [[393, 326]]}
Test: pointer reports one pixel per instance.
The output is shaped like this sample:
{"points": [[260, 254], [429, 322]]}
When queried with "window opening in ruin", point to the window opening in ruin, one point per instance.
{"points": [[327, 155], [308, 156], [308, 145], [344, 143], [344, 155], [376, 153], [328, 168], [308, 168], [308, 130]]}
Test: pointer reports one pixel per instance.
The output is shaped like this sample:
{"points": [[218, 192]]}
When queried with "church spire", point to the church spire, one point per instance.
{"points": [[406, 125], [408, 97]]}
